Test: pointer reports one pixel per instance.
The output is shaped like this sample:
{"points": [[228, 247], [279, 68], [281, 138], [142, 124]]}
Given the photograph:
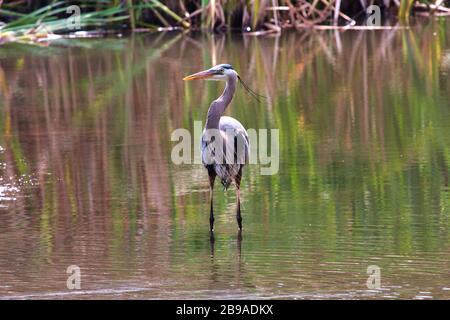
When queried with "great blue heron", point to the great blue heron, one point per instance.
{"points": [[227, 164]]}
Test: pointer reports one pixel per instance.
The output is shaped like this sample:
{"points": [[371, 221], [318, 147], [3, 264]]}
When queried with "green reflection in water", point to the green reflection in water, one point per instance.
{"points": [[363, 178]]}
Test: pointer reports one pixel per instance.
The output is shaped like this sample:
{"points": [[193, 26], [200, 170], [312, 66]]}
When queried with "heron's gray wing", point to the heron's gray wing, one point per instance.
{"points": [[226, 149], [236, 143], [208, 150], [235, 149]]}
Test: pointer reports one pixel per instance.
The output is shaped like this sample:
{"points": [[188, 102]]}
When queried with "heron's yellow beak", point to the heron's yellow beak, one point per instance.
{"points": [[201, 75]]}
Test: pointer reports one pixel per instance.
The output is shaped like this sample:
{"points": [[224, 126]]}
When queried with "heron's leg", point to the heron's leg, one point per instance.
{"points": [[238, 197], [212, 177]]}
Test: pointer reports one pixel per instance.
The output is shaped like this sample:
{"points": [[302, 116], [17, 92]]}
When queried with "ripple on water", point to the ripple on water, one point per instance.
{"points": [[9, 190], [7, 194]]}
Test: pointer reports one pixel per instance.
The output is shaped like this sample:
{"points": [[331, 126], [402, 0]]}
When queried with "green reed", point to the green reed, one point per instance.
{"points": [[23, 18]]}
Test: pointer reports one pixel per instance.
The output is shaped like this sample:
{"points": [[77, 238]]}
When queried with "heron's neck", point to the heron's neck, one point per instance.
{"points": [[218, 106]]}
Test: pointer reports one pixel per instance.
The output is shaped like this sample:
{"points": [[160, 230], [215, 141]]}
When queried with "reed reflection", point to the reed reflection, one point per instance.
{"points": [[87, 176]]}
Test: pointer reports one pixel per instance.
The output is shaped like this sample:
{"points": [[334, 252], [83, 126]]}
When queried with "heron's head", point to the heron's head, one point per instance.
{"points": [[221, 72]]}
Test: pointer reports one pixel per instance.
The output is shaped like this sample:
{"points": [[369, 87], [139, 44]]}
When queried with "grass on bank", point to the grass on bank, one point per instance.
{"points": [[25, 21]]}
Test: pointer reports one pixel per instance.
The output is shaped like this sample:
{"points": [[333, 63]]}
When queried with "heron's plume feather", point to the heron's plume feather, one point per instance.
{"points": [[255, 95]]}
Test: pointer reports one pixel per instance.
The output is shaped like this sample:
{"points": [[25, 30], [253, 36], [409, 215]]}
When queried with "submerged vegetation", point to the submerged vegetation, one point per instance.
{"points": [[36, 21]]}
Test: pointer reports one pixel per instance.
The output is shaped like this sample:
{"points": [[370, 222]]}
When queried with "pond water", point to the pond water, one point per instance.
{"points": [[86, 176]]}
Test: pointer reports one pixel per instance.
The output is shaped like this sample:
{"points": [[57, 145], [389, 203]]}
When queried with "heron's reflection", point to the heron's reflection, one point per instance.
{"points": [[239, 245], [212, 241]]}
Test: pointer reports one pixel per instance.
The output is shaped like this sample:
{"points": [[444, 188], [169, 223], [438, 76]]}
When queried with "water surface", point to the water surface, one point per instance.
{"points": [[86, 176]]}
